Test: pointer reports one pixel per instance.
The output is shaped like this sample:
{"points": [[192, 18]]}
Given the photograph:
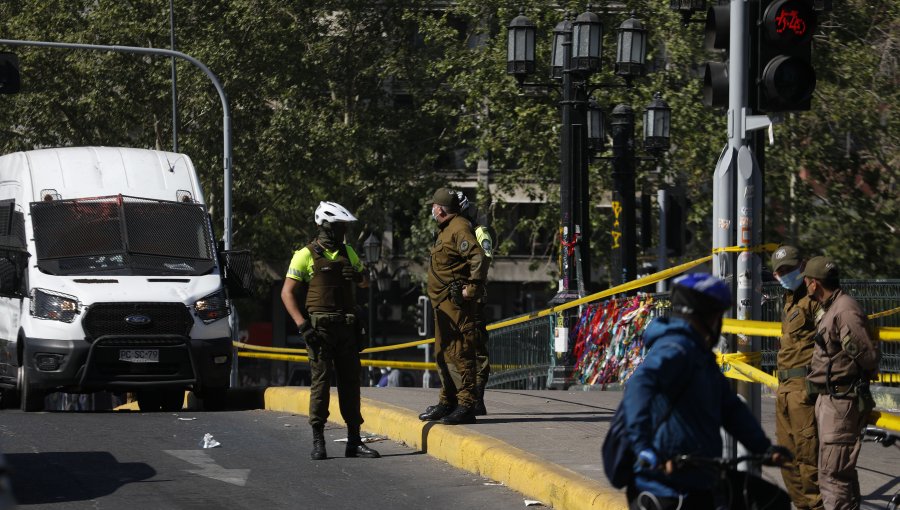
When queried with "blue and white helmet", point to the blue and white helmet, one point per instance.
{"points": [[332, 212], [700, 294]]}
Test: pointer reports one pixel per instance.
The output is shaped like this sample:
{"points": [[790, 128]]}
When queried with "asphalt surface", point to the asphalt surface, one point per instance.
{"points": [[546, 444], [115, 460]]}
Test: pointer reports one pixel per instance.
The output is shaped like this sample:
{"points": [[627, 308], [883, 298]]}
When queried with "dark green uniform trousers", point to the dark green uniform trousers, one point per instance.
{"points": [[456, 335], [795, 429], [336, 354]]}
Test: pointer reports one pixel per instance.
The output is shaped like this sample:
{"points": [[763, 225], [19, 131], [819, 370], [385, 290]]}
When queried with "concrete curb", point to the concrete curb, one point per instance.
{"points": [[464, 448]]}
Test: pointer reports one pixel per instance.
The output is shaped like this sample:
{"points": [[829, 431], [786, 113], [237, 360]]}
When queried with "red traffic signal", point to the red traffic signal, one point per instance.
{"points": [[786, 79]]}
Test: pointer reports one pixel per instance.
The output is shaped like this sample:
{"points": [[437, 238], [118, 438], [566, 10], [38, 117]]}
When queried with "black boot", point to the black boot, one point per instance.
{"points": [[480, 410], [318, 451], [435, 412], [461, 415], [355, 446]]}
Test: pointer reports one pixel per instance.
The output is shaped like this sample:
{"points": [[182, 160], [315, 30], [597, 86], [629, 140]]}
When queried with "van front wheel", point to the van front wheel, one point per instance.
{"points": [[31, 399], [149, 401]]}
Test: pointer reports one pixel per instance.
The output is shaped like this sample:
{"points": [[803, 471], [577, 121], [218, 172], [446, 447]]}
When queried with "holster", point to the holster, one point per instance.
{"points": [[812, 391], [864, 399]]}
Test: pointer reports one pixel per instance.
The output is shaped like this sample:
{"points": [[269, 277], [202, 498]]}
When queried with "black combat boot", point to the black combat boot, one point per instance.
{"points": [[480, 410], [435, 412], [460, 416], [318, 451], [355, 446]]}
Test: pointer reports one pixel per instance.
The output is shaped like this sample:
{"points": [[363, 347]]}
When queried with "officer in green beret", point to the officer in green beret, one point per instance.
{"points": [[456, 277], [795, 418], [844, 360]]}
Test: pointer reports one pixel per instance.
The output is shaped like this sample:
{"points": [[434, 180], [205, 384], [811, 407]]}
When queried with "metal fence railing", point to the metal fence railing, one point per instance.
{"points": [[522, 355], [873, 295]]}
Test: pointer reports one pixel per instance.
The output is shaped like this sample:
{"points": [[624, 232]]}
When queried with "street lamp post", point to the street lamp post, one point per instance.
{"points": [[575, 56], [372, 249]]}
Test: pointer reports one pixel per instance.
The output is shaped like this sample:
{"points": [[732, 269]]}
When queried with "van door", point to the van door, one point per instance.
{"points": [[13, 267]]}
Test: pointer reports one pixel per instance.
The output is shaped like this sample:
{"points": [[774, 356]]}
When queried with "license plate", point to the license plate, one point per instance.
{"points": [[139, 355]]}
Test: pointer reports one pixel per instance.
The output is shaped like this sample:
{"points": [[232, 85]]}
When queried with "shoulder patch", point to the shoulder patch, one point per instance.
{"points": [[486, 245], [464, 246]]}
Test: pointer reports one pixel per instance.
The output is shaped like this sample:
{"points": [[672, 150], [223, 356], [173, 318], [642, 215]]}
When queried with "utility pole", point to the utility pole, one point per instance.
{"points": [[737, 198]]}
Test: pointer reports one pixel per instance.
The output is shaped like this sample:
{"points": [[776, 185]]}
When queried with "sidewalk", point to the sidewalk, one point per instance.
{"points": [[543, 444]]}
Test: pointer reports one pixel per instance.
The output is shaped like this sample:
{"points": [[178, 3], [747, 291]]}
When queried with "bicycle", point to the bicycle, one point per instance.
{"points": [[739, 490], [886, 438]]}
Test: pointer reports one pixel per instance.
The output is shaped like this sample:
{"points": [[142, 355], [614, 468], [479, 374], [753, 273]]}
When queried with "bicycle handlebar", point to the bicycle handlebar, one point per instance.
{"points": [[722, 464], [879, 435]]}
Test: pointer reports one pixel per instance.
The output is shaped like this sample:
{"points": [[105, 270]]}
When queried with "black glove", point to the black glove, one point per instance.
{"points": [[456, 295], [784, 454], [310, 338], [350, 273]]}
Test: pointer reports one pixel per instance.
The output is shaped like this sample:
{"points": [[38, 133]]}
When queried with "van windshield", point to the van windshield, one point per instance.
{"points": [[122, 235]]}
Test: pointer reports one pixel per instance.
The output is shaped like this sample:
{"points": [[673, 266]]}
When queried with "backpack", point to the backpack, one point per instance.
{"points": [[618, 456], [617, 452]]}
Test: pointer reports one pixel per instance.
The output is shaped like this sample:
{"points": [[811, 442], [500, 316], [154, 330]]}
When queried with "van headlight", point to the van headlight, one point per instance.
{"points": [[212, 307], [55, 306]]}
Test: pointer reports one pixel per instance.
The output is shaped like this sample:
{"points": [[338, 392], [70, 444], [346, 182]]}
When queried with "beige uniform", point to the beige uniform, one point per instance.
{"points": [[795, 421], [843, 362], [456, 256]]}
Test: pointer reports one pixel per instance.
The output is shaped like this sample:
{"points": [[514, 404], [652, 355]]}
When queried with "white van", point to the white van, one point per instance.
{"points": [[110, 279]]}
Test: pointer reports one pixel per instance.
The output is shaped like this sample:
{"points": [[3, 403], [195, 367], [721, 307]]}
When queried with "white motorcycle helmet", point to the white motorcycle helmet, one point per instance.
{"points": [[332, 212]]}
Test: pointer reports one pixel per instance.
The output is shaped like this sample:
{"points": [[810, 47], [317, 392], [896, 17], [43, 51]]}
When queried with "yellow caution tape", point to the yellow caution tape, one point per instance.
{"points": [[731, 326], [411, 365], [885, 313], [885, 420], [768, 247]]}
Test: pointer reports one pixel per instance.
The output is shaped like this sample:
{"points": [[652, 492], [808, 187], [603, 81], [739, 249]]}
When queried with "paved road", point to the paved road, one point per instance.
{"points": [[117, 460]]}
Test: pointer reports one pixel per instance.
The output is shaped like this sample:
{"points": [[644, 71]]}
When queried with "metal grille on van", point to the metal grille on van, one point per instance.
{"points": [[145, 319]]}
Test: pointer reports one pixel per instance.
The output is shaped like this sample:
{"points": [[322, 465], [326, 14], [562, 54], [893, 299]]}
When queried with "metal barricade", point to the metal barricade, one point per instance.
{"points": [[873, 295], [522, 354]]}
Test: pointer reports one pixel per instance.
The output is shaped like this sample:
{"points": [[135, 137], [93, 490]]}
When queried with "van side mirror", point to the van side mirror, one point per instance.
{"points": [[237, 272], [12, 273]]}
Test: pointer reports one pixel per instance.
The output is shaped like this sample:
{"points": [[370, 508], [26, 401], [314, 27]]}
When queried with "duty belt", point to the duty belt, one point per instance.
{"points": [[790, 373], [328, 318], [821, 389]]}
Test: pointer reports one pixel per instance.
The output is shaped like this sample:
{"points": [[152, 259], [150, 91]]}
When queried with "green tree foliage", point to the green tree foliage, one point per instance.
{"points": [[314, 116]]}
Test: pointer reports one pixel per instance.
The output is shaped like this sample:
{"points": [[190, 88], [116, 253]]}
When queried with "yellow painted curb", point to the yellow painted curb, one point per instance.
{"points": [[464, 448]]}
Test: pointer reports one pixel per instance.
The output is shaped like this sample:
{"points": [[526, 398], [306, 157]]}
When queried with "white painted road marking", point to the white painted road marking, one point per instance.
{"points": [[209, 468]]}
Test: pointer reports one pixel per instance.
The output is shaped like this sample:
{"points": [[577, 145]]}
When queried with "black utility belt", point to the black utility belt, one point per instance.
{"points": [[328, 318], [841, 389], [790, 373]]}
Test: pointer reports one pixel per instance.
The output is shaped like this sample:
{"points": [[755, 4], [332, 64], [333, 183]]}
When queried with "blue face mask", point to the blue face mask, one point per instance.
{"points": [[791, 280]]}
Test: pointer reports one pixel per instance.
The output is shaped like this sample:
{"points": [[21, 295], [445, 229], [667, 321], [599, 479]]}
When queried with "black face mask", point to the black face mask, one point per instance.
{"points": [[331, 235]]}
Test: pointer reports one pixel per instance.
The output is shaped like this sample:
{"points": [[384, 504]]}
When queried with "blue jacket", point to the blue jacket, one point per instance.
{"points": [[679, 366]]}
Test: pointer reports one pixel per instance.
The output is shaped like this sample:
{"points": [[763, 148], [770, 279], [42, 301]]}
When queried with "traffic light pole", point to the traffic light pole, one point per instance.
{"points": [[737, 199]]}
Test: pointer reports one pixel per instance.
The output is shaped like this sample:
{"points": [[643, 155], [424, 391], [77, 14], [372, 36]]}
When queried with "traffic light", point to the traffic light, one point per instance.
{"points": [[715, 74], [678, 235], [424, 317], [784, 76], [10, 82]]}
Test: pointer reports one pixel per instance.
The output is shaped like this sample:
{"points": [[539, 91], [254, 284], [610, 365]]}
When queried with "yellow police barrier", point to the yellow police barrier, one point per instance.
{"points": [[410, 365]]}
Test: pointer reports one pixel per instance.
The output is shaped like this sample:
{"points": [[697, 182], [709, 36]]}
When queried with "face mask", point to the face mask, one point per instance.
{"points": [[434, 215], [792, 280]]}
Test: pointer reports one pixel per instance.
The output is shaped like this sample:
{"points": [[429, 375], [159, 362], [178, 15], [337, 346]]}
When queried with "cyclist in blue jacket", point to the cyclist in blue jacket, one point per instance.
{"points": [[677, 400]]}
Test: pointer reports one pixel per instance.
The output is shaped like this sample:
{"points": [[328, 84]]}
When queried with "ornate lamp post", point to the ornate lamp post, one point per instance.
{"points": [[576, 55]]}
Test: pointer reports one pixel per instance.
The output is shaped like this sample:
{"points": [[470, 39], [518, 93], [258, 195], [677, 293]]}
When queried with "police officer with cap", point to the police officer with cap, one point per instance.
{"points": [[795, 420], [844, 360], [456, 277], [327, 270]]}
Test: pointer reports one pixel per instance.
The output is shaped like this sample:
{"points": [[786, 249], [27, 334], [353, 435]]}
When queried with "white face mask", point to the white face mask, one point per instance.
{"points": [[434, 212]]}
